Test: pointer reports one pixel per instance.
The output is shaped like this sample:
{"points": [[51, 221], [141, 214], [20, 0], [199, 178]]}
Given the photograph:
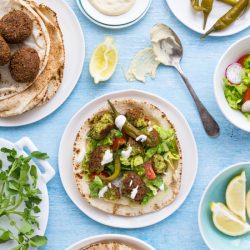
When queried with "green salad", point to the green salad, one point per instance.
{"points": [[237, 85], [128, 156]]}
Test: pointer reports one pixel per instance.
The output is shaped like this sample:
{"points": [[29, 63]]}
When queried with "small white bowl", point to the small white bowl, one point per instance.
{"points": [[237, 50], [131, 241]]}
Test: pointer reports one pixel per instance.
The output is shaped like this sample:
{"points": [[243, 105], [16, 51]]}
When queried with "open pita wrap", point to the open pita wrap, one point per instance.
{"points": [[124, 206], [48, 81], [39, 40], [108, 246]]}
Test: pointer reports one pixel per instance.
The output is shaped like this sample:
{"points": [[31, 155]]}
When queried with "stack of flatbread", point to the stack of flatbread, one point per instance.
{"points": [[17, 98]]}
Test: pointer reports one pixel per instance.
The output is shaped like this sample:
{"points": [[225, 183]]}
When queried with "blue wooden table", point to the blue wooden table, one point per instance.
{"points": [[67, 224]]}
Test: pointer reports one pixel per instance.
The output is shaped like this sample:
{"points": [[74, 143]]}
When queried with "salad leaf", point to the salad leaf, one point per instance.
{"points": [[246, 63], [95, 186], [5, 236], [164, 133], [38, 241], [154, 185], [39, 155]]}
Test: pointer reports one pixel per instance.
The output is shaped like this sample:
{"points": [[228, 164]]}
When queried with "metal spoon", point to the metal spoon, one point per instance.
{"points": [[168, 50]]}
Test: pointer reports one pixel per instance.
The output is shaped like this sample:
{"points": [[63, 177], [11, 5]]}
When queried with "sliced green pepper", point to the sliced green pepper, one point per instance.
{"points": [[128, 128], [206, 7], [230, 2], [116, 173], [226, 20]]}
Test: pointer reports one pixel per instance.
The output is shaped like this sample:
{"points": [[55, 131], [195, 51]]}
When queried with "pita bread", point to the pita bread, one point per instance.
{"points": [[108, 246], [39, 40], [47, 83], [124, 206]]}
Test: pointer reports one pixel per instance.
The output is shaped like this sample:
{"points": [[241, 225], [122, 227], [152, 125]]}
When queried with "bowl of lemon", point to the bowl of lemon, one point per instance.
{"points": [[224, 211]]}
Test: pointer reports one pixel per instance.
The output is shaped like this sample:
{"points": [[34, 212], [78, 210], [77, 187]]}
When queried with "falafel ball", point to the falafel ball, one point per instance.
{"points": [[24, 65], [137, 117], [95, 161], [155, 138], [133, 181], [16, 26], [4, 52]]}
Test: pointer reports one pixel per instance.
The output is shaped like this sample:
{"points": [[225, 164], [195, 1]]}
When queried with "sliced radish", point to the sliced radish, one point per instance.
{"points": [[233, 73], [246, 107]]}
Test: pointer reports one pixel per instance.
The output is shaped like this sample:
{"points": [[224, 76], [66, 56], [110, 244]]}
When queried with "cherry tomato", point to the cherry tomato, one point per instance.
{"points": [[242, 59], [247, 95], [117, 143], [150, 174]]}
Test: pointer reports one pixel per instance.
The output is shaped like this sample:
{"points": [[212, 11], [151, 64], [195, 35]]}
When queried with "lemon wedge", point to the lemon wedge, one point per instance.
{"points": [[248, 204], [104, 61], [236, 195], [226, 222]]}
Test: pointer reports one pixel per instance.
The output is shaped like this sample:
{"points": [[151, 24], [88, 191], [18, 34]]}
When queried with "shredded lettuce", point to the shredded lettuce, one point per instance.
{"points": [[246, 63], [95, 186], [235, 93], [154, 185]]}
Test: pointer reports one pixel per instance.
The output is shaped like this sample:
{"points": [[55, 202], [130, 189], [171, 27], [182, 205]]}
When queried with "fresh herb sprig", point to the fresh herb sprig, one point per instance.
{"points": [[20, 197]]}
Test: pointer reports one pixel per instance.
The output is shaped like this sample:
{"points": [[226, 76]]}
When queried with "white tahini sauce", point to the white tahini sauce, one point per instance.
{"points": [[141, 138], [162, 187], [107, 158], [126, 153], [120, 121], [134, 193], [102, 192], [110, 185], [131, 182]]}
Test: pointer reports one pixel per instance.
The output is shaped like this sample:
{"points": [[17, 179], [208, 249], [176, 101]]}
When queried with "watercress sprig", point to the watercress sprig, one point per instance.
{"points": [[20, 197]]}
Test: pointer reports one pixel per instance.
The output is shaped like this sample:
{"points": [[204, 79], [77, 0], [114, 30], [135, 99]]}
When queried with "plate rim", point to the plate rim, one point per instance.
{"points": [[228, 117], [28, 121], [196, 164], [111, 236], [228, 168], [113, 27], [199, 32]]}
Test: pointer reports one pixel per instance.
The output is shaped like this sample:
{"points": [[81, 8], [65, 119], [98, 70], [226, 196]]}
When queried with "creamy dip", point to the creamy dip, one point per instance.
{"points": [[112, 7]]}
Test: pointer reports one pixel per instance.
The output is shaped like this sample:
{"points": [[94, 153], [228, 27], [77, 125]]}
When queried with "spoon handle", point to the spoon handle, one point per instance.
{"points": [[210, 125]]}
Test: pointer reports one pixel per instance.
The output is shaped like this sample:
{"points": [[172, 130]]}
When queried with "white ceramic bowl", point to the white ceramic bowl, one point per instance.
{"points": [[237, 50], [131, 241]]}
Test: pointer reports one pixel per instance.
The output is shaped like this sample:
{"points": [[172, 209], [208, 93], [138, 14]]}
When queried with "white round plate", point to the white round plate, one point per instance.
{"points": [[130, 241], [74, 59], [188, 147], [184, 12], [134, 15], [237, 50], [43, 179]]}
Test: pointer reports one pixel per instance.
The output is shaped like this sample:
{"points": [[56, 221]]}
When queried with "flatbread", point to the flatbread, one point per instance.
{"points": [[108, 246], [46, 85], [124, 206], [113, 7], [39, 40]]}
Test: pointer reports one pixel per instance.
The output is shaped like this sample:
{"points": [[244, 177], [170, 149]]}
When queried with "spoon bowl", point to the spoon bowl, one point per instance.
{"points": [[169, 51]]}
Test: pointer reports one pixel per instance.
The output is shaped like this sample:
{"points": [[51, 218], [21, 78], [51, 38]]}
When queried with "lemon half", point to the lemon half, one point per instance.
{"points": [[104, 61], [248, 204], [236, 195], [226, 222]]}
